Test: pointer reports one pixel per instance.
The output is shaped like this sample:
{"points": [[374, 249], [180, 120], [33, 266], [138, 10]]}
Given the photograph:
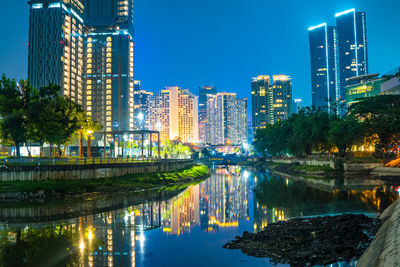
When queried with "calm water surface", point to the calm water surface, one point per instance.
{"points": [[188, 229]]}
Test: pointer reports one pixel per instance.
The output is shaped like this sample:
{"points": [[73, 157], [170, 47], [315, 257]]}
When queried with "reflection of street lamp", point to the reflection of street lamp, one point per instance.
{"points": [[89, 143]]}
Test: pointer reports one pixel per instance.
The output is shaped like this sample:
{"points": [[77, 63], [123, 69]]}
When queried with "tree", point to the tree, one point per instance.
{"points": [[381, 118], [344, 133], [13, 111], [271, 140]]}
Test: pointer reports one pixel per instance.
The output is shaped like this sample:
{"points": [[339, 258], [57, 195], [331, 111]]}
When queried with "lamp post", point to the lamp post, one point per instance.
{"points": [[89, 143]]}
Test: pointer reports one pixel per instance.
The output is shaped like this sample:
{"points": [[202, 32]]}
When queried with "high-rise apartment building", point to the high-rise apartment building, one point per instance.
{"points": [[280, 99], [56, 46], [141, 107], [204, 93], [259, 101], [352, 43], [226, 120], [110, 63], [174, 112], [324, 65]]}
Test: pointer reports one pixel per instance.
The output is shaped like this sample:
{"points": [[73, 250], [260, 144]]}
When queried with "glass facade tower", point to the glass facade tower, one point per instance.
{"points": [[56, 46], [324, 65], [352, 43]]}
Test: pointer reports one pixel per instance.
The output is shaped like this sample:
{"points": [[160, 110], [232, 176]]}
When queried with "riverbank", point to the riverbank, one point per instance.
{"points": [[310, 241], [58, 189], [384, 250]]}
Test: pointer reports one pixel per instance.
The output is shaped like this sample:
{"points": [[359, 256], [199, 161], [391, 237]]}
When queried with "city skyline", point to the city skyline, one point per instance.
{"points": [[149, 57]]}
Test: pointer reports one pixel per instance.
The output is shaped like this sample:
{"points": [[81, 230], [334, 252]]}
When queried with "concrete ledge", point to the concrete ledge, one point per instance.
{"points": [[384, 250], [83, 172], [386, 171]]}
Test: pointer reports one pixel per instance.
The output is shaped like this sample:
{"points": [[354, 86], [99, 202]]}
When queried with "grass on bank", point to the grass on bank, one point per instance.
{"points": [[124, 183], [309, 168]]}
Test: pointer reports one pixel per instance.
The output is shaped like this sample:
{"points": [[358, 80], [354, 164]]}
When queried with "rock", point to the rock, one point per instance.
{"points": [[311, 241]]}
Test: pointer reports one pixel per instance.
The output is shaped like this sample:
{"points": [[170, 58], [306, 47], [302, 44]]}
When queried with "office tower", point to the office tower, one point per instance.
{"points": [[204, 93], [226, 120], [56, 40], [352, 43], [110, 63], [174, 112], [141, 108], [280, 98], [297, 105], [259, 101], [324, 66]]}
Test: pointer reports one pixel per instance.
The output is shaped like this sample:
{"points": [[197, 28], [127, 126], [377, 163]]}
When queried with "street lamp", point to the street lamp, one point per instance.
{"points": [[89, 143]]}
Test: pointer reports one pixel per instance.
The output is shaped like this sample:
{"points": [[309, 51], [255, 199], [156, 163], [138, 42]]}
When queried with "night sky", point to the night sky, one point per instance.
{"points": [[223, 42]]}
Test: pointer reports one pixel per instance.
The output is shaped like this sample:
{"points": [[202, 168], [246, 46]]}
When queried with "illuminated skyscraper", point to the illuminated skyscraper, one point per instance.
{"points": [[352, 43], [141, 107], [259, 101], [174, 112], [110, 63], [56, 46], [280, 99], [324, 67], [204, 93], [226, 120]]}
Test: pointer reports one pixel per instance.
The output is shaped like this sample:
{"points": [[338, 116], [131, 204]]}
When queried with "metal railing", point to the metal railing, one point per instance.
{"points": [[5, 162]]}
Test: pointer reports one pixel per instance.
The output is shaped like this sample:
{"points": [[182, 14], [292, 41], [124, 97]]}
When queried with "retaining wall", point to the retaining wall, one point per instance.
{"points": [[83, 172], [384, 250]]}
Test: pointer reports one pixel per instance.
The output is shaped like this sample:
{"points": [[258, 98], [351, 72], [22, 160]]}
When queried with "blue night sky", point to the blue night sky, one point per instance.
{"points": [[223, 42]]}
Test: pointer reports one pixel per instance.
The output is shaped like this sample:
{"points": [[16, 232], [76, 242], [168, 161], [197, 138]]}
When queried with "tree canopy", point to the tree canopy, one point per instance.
{"points": [[38, 115]]}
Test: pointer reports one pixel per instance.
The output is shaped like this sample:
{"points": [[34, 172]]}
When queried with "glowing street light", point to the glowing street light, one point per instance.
{"points": [[89, 143]]}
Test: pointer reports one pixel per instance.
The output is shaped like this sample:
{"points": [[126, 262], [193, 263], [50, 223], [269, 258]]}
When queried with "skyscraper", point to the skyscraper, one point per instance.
{"points": [[352, 43], [259, 101], [280, 98], [56, 46], [226, 120], [141, 107], [174, 112], [110, 63], [324, 66], [204, 92]]}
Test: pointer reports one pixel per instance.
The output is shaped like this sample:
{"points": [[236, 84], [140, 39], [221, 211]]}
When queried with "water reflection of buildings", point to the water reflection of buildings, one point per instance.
{"points": [[117, 238], [182, 213], [224, 199]]}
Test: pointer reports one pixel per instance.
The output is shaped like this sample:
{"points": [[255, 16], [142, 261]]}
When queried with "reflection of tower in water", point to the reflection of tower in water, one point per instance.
{"points": [[182, 212], [224, 199]]}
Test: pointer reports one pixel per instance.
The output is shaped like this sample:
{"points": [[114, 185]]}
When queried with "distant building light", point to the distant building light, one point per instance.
{"points": [[316, 27], [36, 6], [345, 12], [55, 5]]}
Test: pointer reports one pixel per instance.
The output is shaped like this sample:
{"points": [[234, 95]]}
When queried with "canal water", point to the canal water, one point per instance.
{"points": [[188, 228]]}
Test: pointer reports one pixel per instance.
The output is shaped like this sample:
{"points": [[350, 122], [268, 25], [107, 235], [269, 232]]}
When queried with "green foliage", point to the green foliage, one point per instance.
{"points": [[300, 134], [312, 129], [31, 115], [381, 118], [344, 133]]}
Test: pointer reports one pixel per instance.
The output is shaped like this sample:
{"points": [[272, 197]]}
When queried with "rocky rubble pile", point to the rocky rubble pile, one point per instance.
{"points": [[310, 241]]}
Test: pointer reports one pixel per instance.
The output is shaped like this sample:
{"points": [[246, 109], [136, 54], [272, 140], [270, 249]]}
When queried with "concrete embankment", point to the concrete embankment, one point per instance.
{"points": [[384, 250], [367, 170], [84, 172]]}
